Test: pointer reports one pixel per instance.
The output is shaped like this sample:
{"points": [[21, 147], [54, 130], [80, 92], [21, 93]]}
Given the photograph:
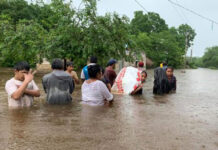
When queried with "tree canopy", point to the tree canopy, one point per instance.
{"points": [[210, 58], [33, 31]]}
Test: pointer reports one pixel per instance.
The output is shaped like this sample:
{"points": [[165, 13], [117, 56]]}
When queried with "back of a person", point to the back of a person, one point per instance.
{"points": [[59, 87], [110, 75], [84, 73], [160, 81], [92, 93]]}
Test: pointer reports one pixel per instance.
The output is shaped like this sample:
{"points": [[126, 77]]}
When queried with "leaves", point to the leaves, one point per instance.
{"points": [[210, 58], [58, 30]]}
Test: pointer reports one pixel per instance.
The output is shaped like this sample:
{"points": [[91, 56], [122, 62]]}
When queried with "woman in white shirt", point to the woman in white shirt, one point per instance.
{"points": [[94, 91]]}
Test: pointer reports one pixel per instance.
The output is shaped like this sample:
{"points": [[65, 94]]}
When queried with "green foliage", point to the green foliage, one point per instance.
{"points": [[159, 42], [210, 58], [165, 48], [196, 62], [26, 43], [187, 33], [148, 23], [57, 30], [18, 10]]}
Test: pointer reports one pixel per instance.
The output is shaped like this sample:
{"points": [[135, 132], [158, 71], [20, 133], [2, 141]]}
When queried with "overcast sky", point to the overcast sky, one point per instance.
{"points": [[173, 15]]}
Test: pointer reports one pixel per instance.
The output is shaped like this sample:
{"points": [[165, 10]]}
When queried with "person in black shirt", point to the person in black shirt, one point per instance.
{"points": [[171, 79]]}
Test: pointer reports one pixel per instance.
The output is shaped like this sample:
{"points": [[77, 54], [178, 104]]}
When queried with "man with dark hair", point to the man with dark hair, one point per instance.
{"points": [[69, 67], [171, 79], [110, 74], [21, 88], [58, 84], [57, 64], [84, 74]]}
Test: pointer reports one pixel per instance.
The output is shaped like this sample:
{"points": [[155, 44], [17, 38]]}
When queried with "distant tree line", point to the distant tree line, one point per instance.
{"points": [[208, 60]]}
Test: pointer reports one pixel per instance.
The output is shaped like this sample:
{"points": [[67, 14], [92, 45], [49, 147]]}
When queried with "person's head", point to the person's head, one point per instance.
{"points": [[93, 59], [57, 64], [169, 71], [141, 64], [143, 76], [69, 66], [20, 69], [112, 63], [164, 64], [94, 71]]}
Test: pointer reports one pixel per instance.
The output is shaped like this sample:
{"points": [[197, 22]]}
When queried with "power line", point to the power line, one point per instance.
{"points": [[178, 13], [183, 14], [195, 13], [141, 6], [144, 10]]}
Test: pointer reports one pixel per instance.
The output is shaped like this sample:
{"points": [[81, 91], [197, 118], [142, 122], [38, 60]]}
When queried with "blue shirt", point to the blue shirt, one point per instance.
{"points": [[85, 71]]}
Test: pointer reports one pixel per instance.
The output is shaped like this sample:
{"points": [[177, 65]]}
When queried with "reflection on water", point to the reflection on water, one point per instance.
{"points": [[187, 119]]}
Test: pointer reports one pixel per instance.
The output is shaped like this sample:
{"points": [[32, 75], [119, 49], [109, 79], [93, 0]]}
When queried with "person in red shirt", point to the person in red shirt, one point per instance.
{"points": [[110, 74], [141, 66]]}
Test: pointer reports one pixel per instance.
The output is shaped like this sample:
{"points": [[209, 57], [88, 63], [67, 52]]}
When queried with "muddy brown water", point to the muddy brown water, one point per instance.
{"points": [[186, 120]]}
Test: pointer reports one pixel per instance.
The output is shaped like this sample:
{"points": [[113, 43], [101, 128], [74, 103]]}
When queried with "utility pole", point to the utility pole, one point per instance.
{"points": [[186, 48], [191, 55]]}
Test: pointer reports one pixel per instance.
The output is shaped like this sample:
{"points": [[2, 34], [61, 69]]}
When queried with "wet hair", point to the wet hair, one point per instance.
{"points": [[93, 70], [57, 64], [169, 67], [93, 59], [69, 63], [22, 65], [144, 72]]}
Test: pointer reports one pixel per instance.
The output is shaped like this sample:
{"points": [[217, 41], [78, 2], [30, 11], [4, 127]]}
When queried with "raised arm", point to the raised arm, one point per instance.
{"points": [[21, 89], [34, 92]]}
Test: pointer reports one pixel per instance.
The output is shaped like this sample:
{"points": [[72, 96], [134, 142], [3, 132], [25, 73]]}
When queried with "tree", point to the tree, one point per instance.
{"points": [[18, 10], [76, 35], [32, 31], [187, 33], [26, 43], [165, 47], [148, 23], [142, 44], [210, 58]]}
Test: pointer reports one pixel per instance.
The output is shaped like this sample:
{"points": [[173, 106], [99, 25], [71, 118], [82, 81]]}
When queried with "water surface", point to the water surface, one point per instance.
{"points": [[186, 120]]}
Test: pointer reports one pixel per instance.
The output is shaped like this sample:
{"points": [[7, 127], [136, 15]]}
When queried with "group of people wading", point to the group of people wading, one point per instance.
{"points": [[97, 83]]}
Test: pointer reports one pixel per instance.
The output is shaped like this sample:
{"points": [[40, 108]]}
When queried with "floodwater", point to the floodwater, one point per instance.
{"points": [[186, 120]]}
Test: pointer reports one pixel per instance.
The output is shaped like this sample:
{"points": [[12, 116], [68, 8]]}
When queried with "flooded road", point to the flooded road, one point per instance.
{"points": [[186, 120]]}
